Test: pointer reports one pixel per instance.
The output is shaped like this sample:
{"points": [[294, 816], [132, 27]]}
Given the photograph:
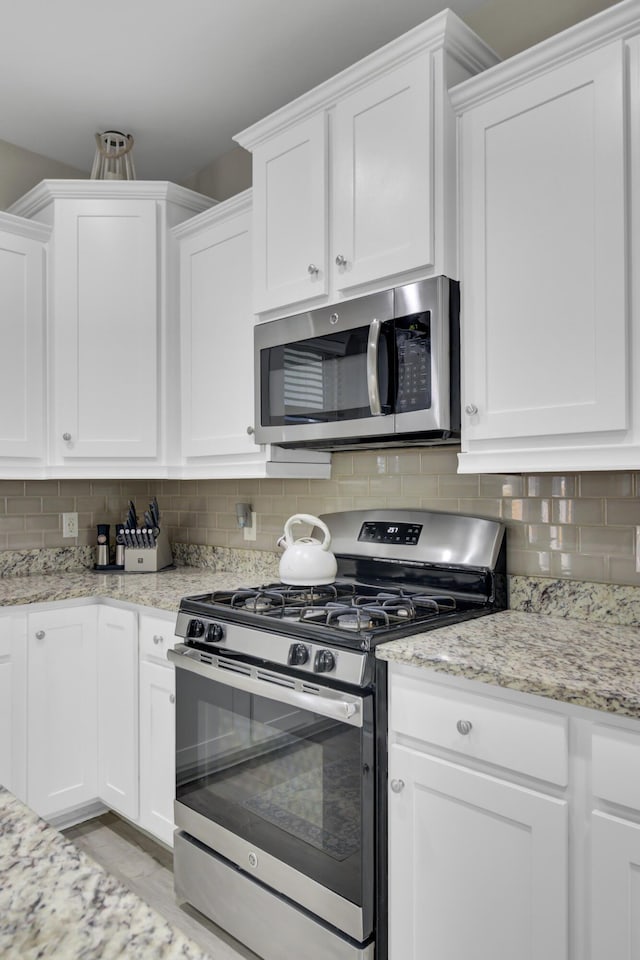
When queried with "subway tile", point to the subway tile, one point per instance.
{"points": [[342, 465], [352, 487], [12, 488], [370, 464], [404, 463], [58, 504], [529, 563], [574, 511], [623, 571], [623, 511], [385, 486], [614, 541], [551, 485], [24, 505], [482, 507], [94, 504], [42, 522], [577, 566], [606, 485], [441, 504], [24, 541], [459, 486], [440, 461], [527, 510], [420, 486], [501, 486], [41, 488], [551, 537], [12, 524]]}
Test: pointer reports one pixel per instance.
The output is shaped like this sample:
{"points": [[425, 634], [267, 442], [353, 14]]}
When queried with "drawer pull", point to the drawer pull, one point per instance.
{"points": [[172, 698], [157, 638], [397, 785], [40, 635], [464, 727]]}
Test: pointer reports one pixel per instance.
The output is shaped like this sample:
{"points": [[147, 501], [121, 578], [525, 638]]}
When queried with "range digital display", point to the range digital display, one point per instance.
{"points": [[377, 532]]}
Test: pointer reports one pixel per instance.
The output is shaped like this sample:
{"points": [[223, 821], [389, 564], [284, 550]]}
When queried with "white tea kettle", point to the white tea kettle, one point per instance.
{"points": [[306, 562]]}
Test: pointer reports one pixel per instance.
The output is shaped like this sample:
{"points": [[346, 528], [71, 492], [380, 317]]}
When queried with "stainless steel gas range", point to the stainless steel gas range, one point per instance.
{"points": [[281, 778]]}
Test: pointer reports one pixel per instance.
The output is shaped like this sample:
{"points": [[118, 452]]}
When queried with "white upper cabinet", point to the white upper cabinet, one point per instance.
{"points": [[354, 182], [546, 259], [217, 366], [113, 299], [22, 362]]}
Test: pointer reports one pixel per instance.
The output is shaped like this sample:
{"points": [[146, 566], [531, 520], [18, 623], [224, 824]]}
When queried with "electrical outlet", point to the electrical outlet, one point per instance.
{"points": [[250, 532], [69, 524]]}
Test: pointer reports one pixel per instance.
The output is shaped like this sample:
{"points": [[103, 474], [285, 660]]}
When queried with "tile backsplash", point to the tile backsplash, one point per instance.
{"points": [[576, 526]]}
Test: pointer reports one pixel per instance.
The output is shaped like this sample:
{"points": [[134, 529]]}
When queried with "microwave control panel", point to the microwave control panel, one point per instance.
{"points": [[413, 351]]}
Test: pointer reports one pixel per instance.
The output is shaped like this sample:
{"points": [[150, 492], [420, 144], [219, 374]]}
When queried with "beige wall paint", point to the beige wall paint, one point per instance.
{"points": [[225, 177], [510, 26], [575, 526], [20, 170]]}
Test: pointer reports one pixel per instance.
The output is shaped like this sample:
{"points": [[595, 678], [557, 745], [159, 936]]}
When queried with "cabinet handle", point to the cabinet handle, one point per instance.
{"points": [[312, 270], [172, 698], [157, 638], [250, 431], [66, 436], [464, 727], [40, 634], [397, 786], [471, 409], [341, 261]]}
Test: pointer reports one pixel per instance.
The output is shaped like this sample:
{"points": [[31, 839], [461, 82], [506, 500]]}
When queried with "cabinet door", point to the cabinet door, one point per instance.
{"points": [[22, 369], [157, 749], [62, 716], [118, 710], [382, 206], [290, 216], [544, 260], [615, 878], [13, 698], [477, 866], [216, 322], [105, 336]]}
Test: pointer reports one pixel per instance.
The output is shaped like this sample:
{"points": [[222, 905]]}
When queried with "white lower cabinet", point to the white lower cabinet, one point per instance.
{"points": [[118, 709], [157, 727], [13, 699], [615, 844], [61, 709], [478, 863]]}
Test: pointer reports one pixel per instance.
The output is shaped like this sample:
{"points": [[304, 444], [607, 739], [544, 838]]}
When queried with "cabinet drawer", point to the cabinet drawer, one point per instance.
{"points": [[156, 636], [615, 755], [521, 739]]}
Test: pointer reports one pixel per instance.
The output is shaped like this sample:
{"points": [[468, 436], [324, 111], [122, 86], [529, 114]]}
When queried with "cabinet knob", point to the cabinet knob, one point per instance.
{"points": [[471, 409], [464, 727], [40, 634], [312, 270], [397, 786], [341, 261], [158, 638], [172, 698], [66, 437], [250, 431]]}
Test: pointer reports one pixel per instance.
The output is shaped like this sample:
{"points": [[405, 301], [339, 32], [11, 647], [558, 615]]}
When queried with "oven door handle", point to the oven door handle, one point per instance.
{"points": [[332, 704], [373, 386]]}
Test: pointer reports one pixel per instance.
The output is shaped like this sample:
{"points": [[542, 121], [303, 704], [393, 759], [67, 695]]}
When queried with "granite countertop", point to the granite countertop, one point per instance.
{"points": [[56, 902], [592, 665], [162, 590]]}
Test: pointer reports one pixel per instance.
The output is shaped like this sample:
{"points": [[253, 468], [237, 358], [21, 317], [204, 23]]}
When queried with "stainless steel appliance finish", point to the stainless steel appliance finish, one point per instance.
{"points": [[281, 727], [380, 369]]}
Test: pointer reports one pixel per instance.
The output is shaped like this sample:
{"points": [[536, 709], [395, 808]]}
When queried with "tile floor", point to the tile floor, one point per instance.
{"points": [[145, 867]]}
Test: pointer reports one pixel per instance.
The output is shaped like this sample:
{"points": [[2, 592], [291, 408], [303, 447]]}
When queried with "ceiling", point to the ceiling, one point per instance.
{"points": [[182, 76]]}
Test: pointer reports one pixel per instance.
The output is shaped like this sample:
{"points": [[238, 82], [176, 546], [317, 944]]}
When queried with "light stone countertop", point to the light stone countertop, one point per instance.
{"points": [[592, 665], [57, 902]]}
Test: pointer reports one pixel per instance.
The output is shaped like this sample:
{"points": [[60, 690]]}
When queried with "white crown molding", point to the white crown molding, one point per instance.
{"points": [[48, 190], [18, 226], [445, 31], [226, 210], [616, 23]]}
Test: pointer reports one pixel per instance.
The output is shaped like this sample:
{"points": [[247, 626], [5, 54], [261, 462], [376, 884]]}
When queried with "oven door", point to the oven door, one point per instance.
{"points": [[326, 374], [277, 775]]}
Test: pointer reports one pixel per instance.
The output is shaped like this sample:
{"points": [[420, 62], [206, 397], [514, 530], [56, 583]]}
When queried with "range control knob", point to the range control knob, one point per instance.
{"points": [[195, 629], [214, 633], [298, 654], [324, 661]]}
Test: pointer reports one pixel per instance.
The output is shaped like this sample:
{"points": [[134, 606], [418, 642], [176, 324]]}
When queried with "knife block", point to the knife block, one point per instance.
{"points": [[148, 559]]}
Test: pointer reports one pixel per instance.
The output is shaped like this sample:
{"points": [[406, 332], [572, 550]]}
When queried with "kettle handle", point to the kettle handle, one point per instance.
{"points": [[313, 521]]}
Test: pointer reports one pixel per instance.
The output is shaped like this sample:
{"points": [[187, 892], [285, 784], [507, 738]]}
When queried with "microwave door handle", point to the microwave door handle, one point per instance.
{"points": [[373, 384]]}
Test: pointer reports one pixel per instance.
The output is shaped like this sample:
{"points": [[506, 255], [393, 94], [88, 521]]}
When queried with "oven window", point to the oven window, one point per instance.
{"points": [[293, 783], [321, 379]]}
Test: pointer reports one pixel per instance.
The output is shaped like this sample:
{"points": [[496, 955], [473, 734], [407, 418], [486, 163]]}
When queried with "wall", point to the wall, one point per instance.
{"points": [[20, 170], [576, 526], [224, 177]]}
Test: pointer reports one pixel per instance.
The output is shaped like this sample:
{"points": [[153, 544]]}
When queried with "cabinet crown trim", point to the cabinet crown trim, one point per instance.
{"points": [[24, 228], [233, 207], [619, 22], [443, 31], [48, 190]]}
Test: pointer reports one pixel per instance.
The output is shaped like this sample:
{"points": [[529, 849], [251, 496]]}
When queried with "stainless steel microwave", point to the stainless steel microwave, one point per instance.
{"points": [[383, 369]]}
